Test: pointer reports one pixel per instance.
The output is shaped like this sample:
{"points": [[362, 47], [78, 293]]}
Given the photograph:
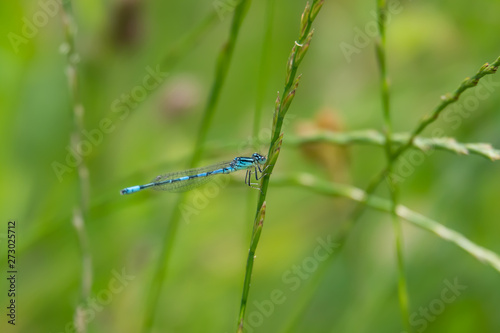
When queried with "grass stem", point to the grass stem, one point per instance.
{"points": [[380, 46], [445, 101], [81, 207], [281, 107], [312, 183], [257, 229]]}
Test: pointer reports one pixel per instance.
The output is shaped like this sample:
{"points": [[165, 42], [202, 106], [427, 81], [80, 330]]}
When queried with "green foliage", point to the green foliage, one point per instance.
{"points": [[97, 98]]}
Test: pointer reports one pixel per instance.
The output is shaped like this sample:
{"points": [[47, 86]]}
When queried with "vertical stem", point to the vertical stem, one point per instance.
{"points": [[385, 95], [80, 320], [80, 211], [384, 84], [259, 222], [282, 104]]}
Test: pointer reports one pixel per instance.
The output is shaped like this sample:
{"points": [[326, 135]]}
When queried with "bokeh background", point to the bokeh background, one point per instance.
{"points": [[432, 47]]}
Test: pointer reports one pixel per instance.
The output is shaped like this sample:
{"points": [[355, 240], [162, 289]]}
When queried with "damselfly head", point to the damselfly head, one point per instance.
{"points": [[259, 158]]}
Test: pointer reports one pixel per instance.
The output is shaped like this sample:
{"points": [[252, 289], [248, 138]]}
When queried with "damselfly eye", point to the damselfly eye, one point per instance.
{"points": [[258, 157]]}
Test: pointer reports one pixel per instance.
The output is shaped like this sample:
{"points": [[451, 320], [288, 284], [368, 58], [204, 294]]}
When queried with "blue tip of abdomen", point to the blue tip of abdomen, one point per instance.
{"points": [[129, 190]]}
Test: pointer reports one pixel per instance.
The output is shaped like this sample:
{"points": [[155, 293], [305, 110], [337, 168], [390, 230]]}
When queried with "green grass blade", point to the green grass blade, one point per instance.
{"points": [[323, 187]]}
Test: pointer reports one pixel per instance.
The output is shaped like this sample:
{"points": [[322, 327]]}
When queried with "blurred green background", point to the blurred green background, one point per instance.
{"points": [[432, 47]]}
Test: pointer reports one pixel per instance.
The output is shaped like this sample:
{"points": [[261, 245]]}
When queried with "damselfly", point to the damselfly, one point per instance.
{"points": [[189, 179]]}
